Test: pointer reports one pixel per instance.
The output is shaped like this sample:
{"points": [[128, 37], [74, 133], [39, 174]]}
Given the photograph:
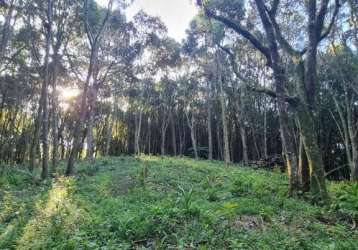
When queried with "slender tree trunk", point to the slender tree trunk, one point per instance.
{"points": [[45, 119], [354, 167], [7, 30], [149, 136], [245, 157], [36, 137], [137, 132], [92, 101], [55, 104], [241, 122], [164, 128], [89, 137], [224, 121], [219, 142], [109, 129], [77, 138], [191, 123], [265, 132], [353, 136], [162, 140], [209, 121], [174, 140]]}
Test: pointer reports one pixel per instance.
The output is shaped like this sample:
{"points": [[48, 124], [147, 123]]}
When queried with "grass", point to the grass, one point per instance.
{"points": [[171, 203]]}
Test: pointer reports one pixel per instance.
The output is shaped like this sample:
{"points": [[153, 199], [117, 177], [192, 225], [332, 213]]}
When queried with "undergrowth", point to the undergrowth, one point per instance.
{"points": [[170, 203]]}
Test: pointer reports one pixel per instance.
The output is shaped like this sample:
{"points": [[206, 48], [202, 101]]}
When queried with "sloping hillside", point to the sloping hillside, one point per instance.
{"points": [[170, 203]]}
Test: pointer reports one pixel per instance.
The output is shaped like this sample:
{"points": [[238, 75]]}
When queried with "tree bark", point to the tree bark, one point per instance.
{"points": [[280, 81], [109, 128], [92, 100], [7, 30], [209, 121], [265, 132], [76, 144], [55, 136], [191, 123], [45, 112], [220, 78], [303, 168], [137, 132], [174, 140]]}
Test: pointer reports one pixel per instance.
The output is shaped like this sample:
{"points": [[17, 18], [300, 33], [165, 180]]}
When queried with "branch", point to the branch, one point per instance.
{"points": [[321, 16], [293, 100], [334, 170], [281, 39], [109, 8], [241, 30], [274, 7], [232, 61], [333, 19], [87, 26]]}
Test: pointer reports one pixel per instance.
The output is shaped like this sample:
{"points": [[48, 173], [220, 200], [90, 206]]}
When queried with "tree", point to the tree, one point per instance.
{"points": [[274, 38]]}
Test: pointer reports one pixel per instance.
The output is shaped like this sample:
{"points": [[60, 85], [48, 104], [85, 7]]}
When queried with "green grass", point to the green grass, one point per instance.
{"points": [[171, 203]]}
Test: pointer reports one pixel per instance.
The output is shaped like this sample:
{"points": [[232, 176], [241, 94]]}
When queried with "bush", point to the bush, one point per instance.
{"points": [[346, 202], [240, 188]]}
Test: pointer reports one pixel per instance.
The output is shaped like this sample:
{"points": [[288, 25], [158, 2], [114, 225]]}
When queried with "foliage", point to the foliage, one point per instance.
{"points": [[106, 207], [346, 202]]}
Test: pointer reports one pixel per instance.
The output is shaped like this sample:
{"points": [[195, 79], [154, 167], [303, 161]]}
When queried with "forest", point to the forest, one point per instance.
{"points": [[115, 135]]}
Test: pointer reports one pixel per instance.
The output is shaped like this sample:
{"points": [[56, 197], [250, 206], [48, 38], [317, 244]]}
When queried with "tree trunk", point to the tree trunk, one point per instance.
{"points": [[109, 129], [77, 138], [46, 82], [191, 123], [239, 104], [354, 167], [55, 105], [89, 138], [313, 152], [6, 30], [303, 168], [280, 81], [353, 136], [224, 121], [265, 133], [36, 137], [137, 132], [219, 142], [174, 140], [210, 133]]}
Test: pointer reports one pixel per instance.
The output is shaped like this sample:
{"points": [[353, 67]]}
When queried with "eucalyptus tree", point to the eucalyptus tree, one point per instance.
{"points": [[94, 30], [9, 9], [156, 56], [270, 45], [65, 21], [15, 89], [201, 46], [167, 61], [338, 75]]}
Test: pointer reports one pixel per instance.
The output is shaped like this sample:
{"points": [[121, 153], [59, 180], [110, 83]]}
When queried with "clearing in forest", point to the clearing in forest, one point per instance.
{"points": [[170, 203]]}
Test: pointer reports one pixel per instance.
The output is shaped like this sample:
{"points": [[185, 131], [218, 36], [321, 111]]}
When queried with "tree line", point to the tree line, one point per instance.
{"points": [[251, 80]]}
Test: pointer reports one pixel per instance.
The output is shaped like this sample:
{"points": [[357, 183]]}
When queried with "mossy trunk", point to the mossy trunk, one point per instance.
{"points": [[313, 153], [303, 168]]}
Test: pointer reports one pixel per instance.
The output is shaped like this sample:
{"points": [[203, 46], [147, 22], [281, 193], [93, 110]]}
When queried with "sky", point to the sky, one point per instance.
{"points": [[176, 14]]}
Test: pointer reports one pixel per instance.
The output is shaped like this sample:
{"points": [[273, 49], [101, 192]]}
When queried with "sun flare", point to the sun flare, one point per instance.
{"points": [[69, 93]]}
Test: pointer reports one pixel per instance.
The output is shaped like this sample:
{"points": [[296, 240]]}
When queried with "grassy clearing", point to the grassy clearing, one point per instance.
{"points": [[171, 203]]}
